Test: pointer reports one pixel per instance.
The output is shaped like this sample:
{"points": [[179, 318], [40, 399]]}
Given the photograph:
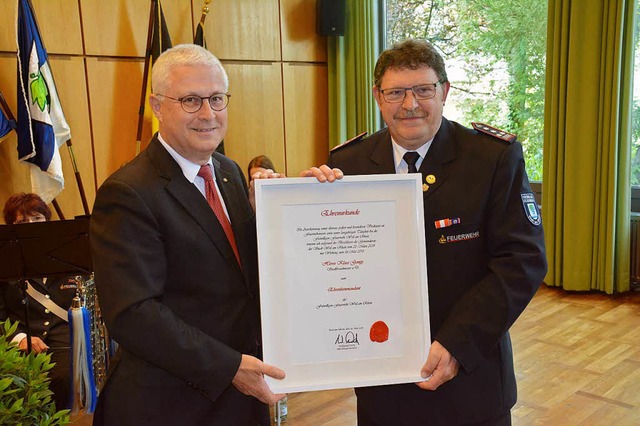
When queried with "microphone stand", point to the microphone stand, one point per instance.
{"points": [[23, 283]]}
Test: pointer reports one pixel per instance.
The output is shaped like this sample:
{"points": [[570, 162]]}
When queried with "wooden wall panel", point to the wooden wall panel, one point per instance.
{"points": [[305, 112], [8, 25], [114, 90], [119, 27], [242, 29], [14, 176], [299, 39], [72, 90], [255, 114], [58, 20]]}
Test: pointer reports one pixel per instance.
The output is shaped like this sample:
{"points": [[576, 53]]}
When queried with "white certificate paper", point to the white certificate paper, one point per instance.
{"points": [[343, 280]]}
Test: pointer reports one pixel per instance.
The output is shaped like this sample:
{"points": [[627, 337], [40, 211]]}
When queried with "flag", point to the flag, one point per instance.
{"points": [[42, 127], [6, 125], [199, 37], [160, 41]]}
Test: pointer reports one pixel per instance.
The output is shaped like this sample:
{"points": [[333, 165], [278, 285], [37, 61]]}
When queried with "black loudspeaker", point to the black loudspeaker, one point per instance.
{"points": [[331, 17]]}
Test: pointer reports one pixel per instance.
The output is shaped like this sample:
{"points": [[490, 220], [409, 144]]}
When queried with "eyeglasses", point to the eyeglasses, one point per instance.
{"points": [[193, 103], [421, 92]]}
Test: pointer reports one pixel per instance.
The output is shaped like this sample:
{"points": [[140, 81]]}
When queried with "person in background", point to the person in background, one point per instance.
{"points": [[49, 332], [261, 163], [485, 245], [173, 241]]}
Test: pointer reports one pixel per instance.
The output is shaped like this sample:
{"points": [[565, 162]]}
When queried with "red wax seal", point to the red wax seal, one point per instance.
{"points": [[379, 332]]}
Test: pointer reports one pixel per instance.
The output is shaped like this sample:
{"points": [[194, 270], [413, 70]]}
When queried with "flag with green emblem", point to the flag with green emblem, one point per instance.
{"points": [[42, 127]]}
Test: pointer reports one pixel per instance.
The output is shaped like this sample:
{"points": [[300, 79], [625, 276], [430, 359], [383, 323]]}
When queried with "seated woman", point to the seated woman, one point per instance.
{"points": [[48, 331]]}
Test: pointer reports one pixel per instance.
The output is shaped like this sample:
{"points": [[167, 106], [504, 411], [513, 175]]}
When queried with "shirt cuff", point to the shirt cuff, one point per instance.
{"points": [[18, 338]]}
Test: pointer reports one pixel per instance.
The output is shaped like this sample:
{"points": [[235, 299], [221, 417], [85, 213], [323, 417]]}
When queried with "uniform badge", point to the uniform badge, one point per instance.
{"points": [[531, 208]]}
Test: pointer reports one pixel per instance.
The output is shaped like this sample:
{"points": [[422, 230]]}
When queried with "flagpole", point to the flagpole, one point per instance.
{"points": [[76, 173], [57, 208], [205, 10], [145, 75], [5, 107]]}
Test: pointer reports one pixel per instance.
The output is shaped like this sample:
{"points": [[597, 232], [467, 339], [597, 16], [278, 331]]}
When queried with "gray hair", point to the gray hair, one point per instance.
{"points": [[182, 54]]}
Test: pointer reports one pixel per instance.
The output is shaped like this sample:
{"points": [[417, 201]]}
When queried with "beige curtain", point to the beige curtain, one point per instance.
{"points": [[352, 108], [587, 146]]}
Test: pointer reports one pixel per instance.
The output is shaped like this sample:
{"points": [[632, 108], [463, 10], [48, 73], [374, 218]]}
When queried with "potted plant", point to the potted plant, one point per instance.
{"points": [[25, 398]]}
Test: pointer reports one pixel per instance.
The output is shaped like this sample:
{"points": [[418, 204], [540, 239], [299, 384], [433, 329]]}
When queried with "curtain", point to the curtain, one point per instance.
{"points": [[351, 59], [587, 144]]}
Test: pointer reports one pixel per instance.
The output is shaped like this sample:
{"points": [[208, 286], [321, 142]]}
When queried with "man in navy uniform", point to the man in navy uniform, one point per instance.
{"points": [[485, 245]]}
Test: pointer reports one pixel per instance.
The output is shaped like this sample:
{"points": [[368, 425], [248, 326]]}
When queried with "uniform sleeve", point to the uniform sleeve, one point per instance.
{"points": [[516, 268]]}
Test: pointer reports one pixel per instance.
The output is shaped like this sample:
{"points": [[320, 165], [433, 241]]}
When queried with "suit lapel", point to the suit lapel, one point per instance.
{"points": [[191, 199], [442, 151]]}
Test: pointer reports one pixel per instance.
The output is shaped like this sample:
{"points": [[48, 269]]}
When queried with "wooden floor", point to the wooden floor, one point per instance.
{"points": [[577, 359]]}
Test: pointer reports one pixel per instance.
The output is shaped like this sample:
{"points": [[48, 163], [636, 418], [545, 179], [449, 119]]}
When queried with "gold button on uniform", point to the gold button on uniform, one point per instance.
{"points": [[46, 311], [47, 296], [430, 179]]}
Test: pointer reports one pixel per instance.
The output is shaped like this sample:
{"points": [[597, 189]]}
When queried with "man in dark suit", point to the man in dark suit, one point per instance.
{"points": [[485, 246], [177, 285]]}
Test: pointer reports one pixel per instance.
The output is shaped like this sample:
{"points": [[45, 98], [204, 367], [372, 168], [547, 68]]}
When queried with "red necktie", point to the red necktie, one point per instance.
{"points": [[213, 198]]}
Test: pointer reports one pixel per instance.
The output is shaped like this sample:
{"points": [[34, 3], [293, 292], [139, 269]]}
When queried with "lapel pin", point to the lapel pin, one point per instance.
{"points": [[430, 179]]}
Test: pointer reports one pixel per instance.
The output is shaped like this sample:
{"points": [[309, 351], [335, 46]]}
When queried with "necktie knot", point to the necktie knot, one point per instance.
{"points": [[411, 158], [205, 173]]}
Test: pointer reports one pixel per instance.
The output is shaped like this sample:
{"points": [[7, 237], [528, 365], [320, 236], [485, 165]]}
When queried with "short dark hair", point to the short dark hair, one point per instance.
{"points": [[260, 161], [26, 204], [410, 54]]}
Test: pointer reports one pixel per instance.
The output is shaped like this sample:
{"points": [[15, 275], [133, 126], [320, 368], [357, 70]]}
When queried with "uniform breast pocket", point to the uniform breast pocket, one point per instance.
{"points": [[457, 245]]}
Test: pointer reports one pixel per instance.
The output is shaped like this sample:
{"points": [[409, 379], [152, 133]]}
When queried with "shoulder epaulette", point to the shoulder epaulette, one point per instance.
{"points": [[354, 139], [496, 133]]}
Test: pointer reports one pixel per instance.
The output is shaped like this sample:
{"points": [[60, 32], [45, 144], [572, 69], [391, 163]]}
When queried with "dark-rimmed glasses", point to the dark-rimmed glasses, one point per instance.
{"points": [[421, 92], [193, 103]]}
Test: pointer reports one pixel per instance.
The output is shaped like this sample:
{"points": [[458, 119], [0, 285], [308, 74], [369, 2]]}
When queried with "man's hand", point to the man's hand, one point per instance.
{"points": [[37, 345], [267, 174], [250, 379], [440, 367], [323, 173]]}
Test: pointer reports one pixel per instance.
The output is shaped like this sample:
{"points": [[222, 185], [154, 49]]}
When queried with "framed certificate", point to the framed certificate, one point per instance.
{"points": [[343, 280]]}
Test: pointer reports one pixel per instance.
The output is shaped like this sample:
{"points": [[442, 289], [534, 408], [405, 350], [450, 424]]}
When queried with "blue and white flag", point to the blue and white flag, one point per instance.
{"points": [[6, 125], [42, 127]]}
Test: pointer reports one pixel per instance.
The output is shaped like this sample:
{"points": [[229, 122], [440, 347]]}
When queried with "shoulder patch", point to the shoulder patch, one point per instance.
{"points": [[352, 140], [496, 133], [531, 208]]}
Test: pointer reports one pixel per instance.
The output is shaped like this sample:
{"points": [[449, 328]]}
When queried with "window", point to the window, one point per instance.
{"points": [[495, 56]]}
